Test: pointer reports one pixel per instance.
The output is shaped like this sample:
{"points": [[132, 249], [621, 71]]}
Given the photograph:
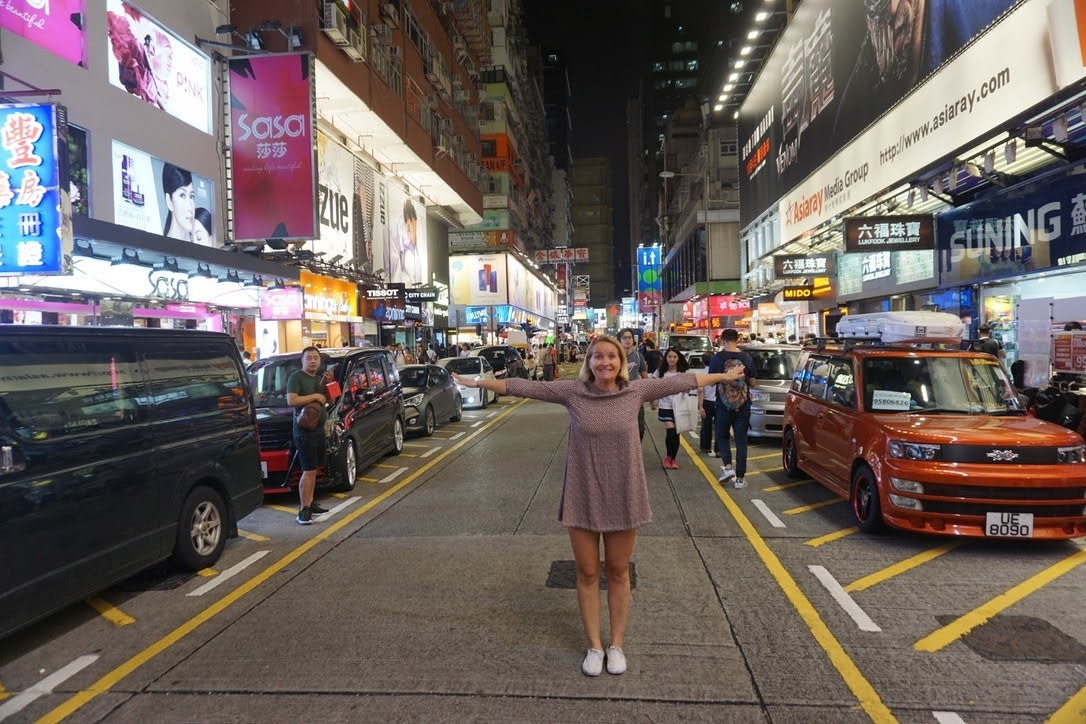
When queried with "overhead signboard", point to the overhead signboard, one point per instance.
{"points": [[889, 233], [565, 254], [789, 266], [56, 25]]}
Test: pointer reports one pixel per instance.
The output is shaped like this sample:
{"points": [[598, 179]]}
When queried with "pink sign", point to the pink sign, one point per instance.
{"points": [[727, 305], [281, 303], [53, 25], [272, 147]]}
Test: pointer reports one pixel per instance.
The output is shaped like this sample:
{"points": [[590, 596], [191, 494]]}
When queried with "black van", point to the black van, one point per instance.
{"points": [[119, 448]]}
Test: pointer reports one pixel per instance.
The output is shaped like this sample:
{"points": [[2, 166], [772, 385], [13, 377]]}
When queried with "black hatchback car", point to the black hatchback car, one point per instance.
{"points": [[365, 423], [504, 359]]}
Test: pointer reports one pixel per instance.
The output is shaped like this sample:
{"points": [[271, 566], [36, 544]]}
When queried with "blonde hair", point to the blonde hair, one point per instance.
{"points": [[586, 374]]}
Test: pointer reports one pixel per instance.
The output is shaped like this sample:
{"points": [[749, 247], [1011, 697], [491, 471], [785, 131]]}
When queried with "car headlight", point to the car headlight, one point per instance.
{"points": [[758, 396], [413, 400], [913, 450], [1076, 454]]}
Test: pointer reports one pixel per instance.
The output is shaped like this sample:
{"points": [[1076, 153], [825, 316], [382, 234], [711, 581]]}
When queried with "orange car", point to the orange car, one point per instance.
{"points": [[930, 440]]}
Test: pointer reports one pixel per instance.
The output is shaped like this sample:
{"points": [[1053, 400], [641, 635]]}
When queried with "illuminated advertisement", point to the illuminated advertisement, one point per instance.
{"points": [[478, 279], [336, 201], [889, 233], [55, 25], [399, 240], [158, 197], [271, 139], [282, 303], [650, 290], [329, 296], [35, 221], [157, 66]]}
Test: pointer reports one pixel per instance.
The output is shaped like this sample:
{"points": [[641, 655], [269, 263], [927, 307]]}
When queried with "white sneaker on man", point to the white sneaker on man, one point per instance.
{"points": [[740, 483], [728, 474]]}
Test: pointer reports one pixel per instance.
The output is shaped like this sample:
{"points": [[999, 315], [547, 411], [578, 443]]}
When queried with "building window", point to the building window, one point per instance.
{"points": [[729, 148], [489, 148], [692, 66], [686, 82], [658, 67]]}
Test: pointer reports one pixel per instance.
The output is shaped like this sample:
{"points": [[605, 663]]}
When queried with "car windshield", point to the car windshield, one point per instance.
{"points": [[465, 365], [955, 385], [269, 378], [690, 343], [774, 364], [413, 376]]}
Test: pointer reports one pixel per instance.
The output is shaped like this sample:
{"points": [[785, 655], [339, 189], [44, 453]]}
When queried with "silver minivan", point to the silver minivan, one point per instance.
{"points": [[774, 365]]}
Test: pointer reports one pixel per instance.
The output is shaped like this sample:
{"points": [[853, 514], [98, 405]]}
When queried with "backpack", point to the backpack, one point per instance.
{"points": [[733, 395]]}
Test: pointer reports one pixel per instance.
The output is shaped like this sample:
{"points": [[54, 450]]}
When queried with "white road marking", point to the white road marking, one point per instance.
{"points": [[947, 717], [476, 424], [769, 515], [229, 573], [843, 599], [429, 452], [345, 504], [459, 434], [19, 702], [392, 476]]}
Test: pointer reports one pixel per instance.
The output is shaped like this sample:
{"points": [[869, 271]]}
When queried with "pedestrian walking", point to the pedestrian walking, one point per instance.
{"points": [[707, 410], [674, 364], [636, 368], [605, 491], [550, 363], [303, 387], [733, 406]]}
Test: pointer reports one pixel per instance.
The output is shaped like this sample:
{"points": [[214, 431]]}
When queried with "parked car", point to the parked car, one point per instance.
{"points": [[365, 423], [430, 397], [774, 366], [926, 439], [691, 345], [504, 359], [119, 448], [476, 367]]}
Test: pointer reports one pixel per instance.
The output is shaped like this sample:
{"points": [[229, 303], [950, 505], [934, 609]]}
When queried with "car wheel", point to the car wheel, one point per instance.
{"points": [[866, 507], [348, 470], [458, 413], [201, 530], [397, 436], [790, 455], [429, 422]]}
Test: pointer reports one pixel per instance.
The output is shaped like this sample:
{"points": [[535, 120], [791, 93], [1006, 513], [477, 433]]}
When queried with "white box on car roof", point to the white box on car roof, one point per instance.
{"points": [[900, 326]]}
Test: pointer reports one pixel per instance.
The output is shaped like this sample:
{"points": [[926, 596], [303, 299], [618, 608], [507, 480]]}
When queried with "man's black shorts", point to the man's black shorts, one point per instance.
{"points": [[312, 448]]}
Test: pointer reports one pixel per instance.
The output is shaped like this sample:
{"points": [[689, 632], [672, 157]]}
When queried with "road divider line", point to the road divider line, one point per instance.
{"points": [[831, 537], [844, 600], [768, 514], [253, 536], [17, 703], [111, 678], [813, 506], [850, 673], [392, 476], [1073, 712], [947, 717], [786, 486], [109, 612], [862, 584], [962, 625], [228, 574], [429, 452]]}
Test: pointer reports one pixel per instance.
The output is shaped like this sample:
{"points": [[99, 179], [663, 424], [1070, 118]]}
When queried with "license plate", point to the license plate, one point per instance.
{"points": [[263, 469], [1008, 525]]}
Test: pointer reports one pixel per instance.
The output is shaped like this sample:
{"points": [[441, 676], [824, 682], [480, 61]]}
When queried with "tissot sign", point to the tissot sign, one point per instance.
{"points": [[889, 233]]}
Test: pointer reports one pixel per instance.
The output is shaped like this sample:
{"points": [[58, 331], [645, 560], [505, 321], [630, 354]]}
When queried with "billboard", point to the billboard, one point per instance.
{"points": [[792, 266], [281, 303], [650, 290], [889, 233], [55, 25], [271, 139], [399, 238], [340, 201], [158, 197], [155, 65], [982, 88], [35, 220], [478, 279], [838, 66]]}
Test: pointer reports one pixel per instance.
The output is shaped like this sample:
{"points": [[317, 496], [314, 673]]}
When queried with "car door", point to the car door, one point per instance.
{"points": [[835, 428], [444, 392], [808, 407]]}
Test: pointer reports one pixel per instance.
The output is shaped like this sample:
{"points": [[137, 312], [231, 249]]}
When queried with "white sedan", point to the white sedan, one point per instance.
{"points": [[472, 366]]}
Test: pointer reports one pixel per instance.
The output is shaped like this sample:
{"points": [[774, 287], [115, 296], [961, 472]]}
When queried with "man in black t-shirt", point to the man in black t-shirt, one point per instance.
{"points": [[986, 343], [733, 406]]}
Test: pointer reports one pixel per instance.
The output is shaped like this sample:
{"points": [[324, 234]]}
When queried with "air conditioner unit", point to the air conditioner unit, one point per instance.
{"points": [[391, 14], [334, 23], [356, 48], [380, 30]]}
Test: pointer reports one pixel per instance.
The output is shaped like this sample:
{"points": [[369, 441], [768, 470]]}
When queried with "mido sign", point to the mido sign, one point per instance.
{"points": [[797, 294]]}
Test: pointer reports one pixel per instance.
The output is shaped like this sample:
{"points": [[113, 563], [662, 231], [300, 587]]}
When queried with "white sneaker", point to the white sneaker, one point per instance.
{"points": [[593, 663], [616, 660], [728, 473], [740, 483]]}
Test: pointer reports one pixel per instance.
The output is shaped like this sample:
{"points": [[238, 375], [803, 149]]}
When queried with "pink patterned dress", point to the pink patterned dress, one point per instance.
{"points": [[604, 488]]}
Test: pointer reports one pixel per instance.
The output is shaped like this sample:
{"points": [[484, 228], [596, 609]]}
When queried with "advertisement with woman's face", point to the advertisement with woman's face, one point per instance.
{"points": [[399, 233], [162, 198]]}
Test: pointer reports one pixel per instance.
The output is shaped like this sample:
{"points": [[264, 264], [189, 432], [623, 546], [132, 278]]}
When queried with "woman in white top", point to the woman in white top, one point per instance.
{"points": [[707, 409], [674, 364]]}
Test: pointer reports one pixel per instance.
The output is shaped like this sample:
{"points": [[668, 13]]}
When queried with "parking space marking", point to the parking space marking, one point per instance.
{"points": [[813, 506], [228, 574], [368, 480], [1073, 712], [386, 465], [476, 424], [831, 537], [458, 435], [766, 471], [415, 444], [342, 506], [17, 703], [109, 612], [947, 717], [857, 614], [393, 475], [768, 514], [253, 536], [862, 584], [962, 625], [207, 572], [786, 486], [4, 693], [281, 508], [407, 455], [429, 452], [764, 457]]}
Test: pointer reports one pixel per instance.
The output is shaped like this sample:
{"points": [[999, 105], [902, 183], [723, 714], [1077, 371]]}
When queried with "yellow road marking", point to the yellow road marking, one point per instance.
{"points": [[980, 615], [341, 496], [407, 455], [764, 457], [414, 444], [862, 584], [786, 486], [281, 508], [763, 472], [1073, 712], [4, 693], [112, 678], [207, 573], [368, 480], [109, 612], [850, 673], [813, 506], [831, 537], [386, 465], [253, 536]]}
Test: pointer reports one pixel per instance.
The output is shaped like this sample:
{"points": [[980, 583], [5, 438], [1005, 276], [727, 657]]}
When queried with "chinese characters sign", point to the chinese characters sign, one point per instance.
{"points": [[650, 289], [889, 233], [552, 256], [1069, 352], [876, 266], [34, 232], [786, 266]]}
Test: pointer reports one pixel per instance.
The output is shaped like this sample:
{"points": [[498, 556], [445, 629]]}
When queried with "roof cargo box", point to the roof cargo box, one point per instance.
{"points": [[892, 327]]}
